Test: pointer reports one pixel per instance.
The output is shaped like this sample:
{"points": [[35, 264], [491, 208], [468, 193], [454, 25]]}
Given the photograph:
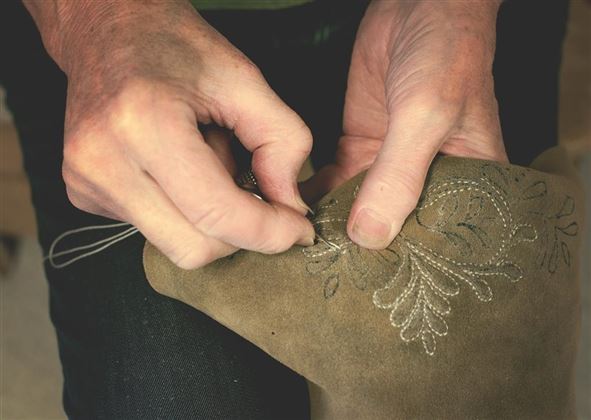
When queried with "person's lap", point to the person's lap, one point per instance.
{"points": [[128, 352]]}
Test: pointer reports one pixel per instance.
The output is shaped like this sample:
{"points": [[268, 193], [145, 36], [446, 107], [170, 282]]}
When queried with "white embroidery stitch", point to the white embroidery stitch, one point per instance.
{"points": [[422, 280]]}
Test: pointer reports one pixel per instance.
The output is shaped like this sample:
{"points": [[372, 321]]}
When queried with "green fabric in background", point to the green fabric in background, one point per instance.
{"points": [[246, 4]]}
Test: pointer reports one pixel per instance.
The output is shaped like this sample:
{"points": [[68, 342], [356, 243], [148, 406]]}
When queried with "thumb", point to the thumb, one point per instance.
{"points": [[278, 138], [393, 184]]}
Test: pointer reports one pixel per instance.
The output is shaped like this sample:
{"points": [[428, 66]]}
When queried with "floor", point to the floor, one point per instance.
{"points": [[30, 377]]}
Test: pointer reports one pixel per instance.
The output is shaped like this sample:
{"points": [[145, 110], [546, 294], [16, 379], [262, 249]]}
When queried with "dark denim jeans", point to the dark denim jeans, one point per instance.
{"points": [[128, 352]]}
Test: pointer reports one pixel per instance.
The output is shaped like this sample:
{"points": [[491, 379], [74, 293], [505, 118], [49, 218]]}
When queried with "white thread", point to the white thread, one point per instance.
{"points": [[434, 288], [318, 222], [475, 186], [425, 263], [111, 240], [332, 245]]}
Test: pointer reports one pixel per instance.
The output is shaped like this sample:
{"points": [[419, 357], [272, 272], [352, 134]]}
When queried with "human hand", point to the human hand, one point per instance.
{"points": [[420, 83], [140, 78]]}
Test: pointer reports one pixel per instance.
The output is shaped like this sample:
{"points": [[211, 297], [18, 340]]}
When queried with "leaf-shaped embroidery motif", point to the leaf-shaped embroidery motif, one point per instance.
{"points": [[435, 322], [436, 301], [388, 259], [360, 281], [319, 264], [553, 258], [568, 207], [475, 206], [571, 229], [331, 284], [357, 263], [495, 176], [536, 190], [429, 342], [412, 328], [444, 283], [480, 288], [386, 297], [524, 233], [420, 284], [442, 208], [406, 303], [480, 234], [565, 253], [512, 271], [558, 231], [404, 307], [458, 241]]}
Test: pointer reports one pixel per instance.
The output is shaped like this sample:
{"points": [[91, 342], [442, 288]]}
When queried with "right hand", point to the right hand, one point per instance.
{"points": [[140, 78]]}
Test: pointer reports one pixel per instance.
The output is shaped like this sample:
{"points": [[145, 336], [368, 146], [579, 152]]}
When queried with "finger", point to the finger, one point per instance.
{"points": [[167, 229], [480, 136], [393, 184], [219, 139], [354, 155], [197, 183], [278, 138], [325, 180], [84, 200], [318, 184], [126, 193]]}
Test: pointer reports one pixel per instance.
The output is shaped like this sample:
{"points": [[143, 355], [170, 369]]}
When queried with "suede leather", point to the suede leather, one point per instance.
{"points": [[472, 311]]}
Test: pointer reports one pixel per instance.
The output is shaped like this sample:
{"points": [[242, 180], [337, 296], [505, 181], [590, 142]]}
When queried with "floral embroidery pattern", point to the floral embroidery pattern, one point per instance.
{"points": [[479, 228], [557, 229], [336, 250]]}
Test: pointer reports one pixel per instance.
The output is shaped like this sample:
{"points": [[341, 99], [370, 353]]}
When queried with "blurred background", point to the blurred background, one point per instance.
{"points": [[30, 374]]}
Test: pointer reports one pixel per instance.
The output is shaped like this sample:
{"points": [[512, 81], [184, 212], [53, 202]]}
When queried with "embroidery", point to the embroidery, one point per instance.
{"points": [[416, 283], [557, 228], [337, 255]]}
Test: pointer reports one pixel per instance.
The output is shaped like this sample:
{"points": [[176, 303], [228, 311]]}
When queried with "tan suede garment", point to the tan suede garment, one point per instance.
{"points": [[472, 312]]}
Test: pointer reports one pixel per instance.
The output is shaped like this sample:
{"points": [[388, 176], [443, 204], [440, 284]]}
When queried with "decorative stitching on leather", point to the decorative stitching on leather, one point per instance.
{"points": [[418, 281]]}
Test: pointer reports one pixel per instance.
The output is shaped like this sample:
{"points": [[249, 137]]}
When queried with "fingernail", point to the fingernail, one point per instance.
{"points": [[302, 204], [307, 241], [371, 230]]}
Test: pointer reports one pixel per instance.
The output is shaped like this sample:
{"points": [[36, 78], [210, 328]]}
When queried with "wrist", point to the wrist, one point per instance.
{"points": [[476, 16], [472, 21], [472, 14]]}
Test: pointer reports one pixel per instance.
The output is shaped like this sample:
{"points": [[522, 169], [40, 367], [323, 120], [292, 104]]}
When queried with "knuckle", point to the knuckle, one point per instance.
{"points": [[305, 138], [68, 176], [72, 148], [210, 218], [190, 260], [83, 159], [273, 239], [136, 109], [125, 111], [81, 136], [247, 68], [275, 247], [76, 200]]}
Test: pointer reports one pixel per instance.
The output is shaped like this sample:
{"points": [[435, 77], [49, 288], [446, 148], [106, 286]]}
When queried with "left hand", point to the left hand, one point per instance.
{"points": [[420, 83]]}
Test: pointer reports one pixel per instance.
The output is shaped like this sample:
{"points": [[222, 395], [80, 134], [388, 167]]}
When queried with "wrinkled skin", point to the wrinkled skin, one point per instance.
{"points": [[142, 75], [420, 83], [140, 78]]}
